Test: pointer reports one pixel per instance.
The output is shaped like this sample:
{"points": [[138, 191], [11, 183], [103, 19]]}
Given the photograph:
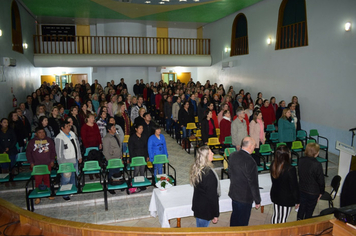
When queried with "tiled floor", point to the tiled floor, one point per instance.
{"points": [[132, 210]]}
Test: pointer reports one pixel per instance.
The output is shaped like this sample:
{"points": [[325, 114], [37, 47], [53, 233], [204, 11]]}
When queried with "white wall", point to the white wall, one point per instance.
{"points": [[24, 78], [182, 33], [322, 74], [130, 74]]}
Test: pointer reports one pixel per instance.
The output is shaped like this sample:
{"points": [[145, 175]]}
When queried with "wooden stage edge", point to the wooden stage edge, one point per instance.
{"points": [[30, 223]]}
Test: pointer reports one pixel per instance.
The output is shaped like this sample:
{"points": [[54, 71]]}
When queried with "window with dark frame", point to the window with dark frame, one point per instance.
{"points": [[292, 28], [239, 36], [16, 28]]}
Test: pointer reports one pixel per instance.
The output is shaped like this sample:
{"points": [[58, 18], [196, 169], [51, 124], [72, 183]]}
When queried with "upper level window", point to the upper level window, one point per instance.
{"points": [[239, 37], [292, 28], [16, 28]]}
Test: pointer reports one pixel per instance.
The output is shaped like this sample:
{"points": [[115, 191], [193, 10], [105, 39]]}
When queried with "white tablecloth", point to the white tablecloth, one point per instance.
{"points": [[176, 202]]}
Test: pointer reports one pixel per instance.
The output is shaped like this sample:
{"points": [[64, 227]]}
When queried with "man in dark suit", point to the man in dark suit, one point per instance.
{"points": [[66, 101], [136, 88], [122, 83], [244, 188], [94, 86]]}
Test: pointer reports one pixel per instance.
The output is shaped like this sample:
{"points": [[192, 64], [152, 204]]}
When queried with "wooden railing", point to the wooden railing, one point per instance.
{"points": [[47, 44], [22, 222], [294, 35], [240, 46]]}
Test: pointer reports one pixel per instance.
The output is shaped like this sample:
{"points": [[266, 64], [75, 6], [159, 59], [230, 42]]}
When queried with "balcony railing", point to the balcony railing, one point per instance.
{"points": [[46, 44]]}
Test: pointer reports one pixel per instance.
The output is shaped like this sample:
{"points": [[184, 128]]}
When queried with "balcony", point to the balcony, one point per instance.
{"points": [[46, 44], [84, 51]]}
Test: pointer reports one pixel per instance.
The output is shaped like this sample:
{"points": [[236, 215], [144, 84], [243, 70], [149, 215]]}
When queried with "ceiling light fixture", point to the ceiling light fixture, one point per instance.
{"points": [[348, 26], [148, 2], [182, 0]]}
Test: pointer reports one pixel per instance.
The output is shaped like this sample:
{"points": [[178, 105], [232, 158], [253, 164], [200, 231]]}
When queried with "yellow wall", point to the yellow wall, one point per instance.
{"points": [[199, 43], [83, 45], [162, 44]]}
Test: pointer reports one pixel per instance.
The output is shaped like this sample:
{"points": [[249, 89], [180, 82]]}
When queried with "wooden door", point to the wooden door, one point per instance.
{"points": [[77, 78], [48, 79], [184, 77]]}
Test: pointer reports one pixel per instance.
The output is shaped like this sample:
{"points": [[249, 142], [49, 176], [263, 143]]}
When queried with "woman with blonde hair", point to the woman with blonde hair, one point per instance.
{"points": [[205, 181], [286, 128], [311, 181], [54, 120], [122, 119]]}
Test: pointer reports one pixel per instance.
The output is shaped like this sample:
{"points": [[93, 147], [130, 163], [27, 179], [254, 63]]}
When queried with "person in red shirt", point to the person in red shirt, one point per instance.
{"points": [[225, 126], [268, 113], [90, 133]]}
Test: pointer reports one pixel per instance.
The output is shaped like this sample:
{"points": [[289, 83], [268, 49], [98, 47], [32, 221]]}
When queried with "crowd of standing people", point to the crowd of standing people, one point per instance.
{"points": [[65, 122]]}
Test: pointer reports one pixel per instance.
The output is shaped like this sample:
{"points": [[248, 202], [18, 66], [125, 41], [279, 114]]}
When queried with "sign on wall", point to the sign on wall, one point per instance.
{"points": [[58, 32]]}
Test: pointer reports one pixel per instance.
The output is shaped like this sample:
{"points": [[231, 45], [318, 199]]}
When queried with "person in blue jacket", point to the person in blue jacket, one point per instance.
{"points": [[156, 145], [286, 128]]}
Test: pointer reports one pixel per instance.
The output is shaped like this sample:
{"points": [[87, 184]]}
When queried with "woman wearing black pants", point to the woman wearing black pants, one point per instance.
{"points": [[311, 181]]}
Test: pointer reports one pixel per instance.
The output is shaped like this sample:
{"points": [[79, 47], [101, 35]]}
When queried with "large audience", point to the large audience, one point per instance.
{"points": [[89, 114]]}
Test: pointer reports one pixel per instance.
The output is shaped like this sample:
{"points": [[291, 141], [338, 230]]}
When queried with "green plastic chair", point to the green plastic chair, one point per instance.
{"points": [[162, 159], [274, 137], [21, 160], [265, 150], [279, 144], [313, 133], [297, 146], [4, 158], [115, 163], [302, 135], [139, 161], [36, 192], [310, 141], [270, 128], [91, 167], [228, 151], [67, 168], [228, 140]]}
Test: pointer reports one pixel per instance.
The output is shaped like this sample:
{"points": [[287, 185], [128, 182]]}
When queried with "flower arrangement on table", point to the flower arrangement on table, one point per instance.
{"points": [[163, 182]]}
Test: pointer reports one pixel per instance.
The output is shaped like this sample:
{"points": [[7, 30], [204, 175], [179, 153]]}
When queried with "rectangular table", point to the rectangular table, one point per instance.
{"points": [[176, 202]]}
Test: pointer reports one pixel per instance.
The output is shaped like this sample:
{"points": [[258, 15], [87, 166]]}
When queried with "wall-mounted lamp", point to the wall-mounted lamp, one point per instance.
{"points": [[269, 41], [227, 49], [25, 45], [0, 33], [348, 26]]}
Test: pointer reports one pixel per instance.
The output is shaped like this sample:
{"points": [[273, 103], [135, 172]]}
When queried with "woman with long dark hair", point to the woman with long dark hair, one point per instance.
{"points": [[207, 127], [203, 178], [285, 190], [7, 144], [47, 128]]}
